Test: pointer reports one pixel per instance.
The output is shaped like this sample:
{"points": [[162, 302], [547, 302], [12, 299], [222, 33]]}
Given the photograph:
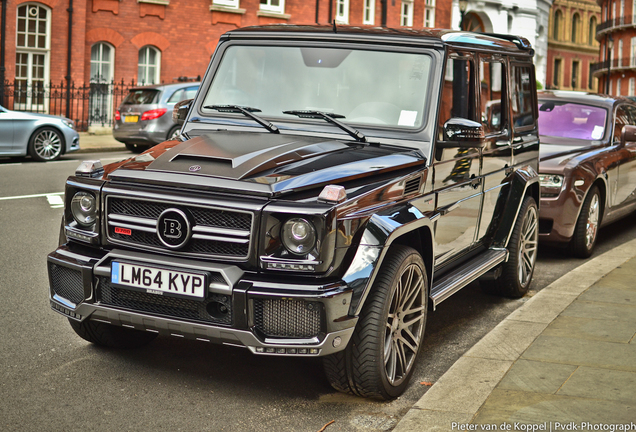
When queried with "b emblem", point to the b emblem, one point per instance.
{"points": [[195, 168], [173, 228]]}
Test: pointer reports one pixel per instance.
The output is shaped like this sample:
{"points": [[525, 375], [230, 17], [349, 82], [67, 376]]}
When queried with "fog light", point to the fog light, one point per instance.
{"points": [[260, 349], [302, 350], [270, 350], [313, 351], [291, 350], [337, 341]]}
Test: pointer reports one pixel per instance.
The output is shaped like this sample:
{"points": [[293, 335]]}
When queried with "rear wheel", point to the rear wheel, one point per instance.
{"points": [[585, 232], [46, 144], [111, 336], [174, 133], [380, 358], [516, 273]]}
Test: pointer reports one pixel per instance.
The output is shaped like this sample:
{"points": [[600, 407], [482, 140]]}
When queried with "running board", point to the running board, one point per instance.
{"points": [[460, 277]]}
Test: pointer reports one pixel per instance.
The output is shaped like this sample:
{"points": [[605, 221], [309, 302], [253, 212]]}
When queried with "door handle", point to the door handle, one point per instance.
{"points": [[475, 183], [509, 170]]}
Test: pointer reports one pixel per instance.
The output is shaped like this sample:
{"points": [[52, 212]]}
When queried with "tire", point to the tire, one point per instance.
{"points": [[516, 274], [380, 358], [586, 229], [111, 336], [136, 148], [174, 133], [46, 144]]}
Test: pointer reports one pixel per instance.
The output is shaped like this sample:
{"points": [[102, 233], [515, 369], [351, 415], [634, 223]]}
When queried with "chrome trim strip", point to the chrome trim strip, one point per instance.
{"points": [[133, 219], [204, 229], [219, 239]]}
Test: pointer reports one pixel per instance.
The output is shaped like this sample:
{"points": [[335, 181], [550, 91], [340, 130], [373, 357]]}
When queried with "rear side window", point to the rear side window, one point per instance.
{"points": [[183, 94], [142, 97], [523, 104]]}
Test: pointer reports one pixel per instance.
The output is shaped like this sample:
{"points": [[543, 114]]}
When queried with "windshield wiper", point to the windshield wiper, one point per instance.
{"points": [[331, 118], [247, 112]]}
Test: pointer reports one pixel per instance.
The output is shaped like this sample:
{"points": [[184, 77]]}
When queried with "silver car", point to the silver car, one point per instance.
{"points": [[45, 137], [144, 118]]}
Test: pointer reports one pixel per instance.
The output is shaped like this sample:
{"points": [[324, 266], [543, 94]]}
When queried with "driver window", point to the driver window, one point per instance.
{"points": [[458, 95], [621, 119]]}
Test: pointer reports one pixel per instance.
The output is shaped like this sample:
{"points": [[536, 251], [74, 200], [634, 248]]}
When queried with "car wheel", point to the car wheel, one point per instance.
{"points": [[136, 148], [46, 144], [516, 273], [174, 133], [111, 336], [381, 355], [586, 229]]}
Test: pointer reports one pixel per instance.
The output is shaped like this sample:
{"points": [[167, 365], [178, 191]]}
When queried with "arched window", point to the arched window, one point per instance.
{"points": [[149, 67], [102, 73], [32, 55], [592, 32], [576, 25], [556, 24]]}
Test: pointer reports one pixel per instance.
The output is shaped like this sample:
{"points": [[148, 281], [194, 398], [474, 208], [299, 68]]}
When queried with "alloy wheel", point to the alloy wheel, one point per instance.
{"points": [[528, 246], [47, 144], [592, 222], [405, 324]]}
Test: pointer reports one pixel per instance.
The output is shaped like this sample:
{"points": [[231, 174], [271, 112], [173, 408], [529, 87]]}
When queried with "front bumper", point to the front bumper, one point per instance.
{"points": [[267, 317], [558, 216], [142, 133]]}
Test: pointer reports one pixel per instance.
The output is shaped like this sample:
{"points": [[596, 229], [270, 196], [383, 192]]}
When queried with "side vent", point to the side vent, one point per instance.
{"points": [[412, 185]]}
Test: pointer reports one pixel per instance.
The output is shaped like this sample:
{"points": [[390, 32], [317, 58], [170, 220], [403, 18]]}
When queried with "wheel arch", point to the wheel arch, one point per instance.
{"points": [[40, 127]]}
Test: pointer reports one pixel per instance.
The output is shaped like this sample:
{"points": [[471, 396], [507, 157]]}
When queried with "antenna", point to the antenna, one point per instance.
{"points": [[335, 29]]}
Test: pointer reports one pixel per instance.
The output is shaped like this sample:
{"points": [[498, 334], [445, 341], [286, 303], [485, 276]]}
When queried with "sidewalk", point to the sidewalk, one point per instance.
{"points": [[99, 143], [565, 360]]}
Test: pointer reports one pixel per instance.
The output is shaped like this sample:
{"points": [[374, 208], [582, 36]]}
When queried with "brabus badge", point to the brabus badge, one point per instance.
{"points": [[195, 168]]}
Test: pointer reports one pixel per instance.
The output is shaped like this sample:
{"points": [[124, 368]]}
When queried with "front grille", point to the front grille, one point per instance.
{"points": [[215, 232], [67, 283], [216, 309], [287, 318]]}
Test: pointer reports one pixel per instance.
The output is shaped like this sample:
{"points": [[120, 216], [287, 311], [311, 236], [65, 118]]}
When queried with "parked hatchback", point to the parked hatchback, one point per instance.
{"points": [[588, 166], [144, 118]]}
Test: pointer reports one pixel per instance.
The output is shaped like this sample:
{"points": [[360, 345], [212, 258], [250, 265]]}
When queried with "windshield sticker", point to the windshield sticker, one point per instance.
{"points": [[597, 133], [407, 118]]}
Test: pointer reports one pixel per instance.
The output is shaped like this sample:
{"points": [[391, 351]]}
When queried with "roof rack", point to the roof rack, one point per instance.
{"points": [[521, 42]]}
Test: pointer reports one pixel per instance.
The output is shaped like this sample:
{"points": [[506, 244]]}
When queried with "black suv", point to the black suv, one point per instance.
{"points": [[331, 186]]}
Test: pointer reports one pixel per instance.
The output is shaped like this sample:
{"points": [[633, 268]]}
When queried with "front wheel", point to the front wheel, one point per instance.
{"points": [[111, 336], [517, 272], [380, 358], [46, 144], [584, 238]]}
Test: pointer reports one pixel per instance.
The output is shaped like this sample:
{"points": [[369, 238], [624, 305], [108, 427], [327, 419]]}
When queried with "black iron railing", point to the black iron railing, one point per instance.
{"points": [[90, 104], [627, 20]]}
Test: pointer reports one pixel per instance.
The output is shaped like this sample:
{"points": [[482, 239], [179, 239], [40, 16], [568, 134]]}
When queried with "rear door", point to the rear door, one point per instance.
{"points": [[626, 180]]}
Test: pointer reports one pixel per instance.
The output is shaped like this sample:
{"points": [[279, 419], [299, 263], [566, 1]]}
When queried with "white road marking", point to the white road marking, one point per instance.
{"points": [[30, 196], [55, 201]]}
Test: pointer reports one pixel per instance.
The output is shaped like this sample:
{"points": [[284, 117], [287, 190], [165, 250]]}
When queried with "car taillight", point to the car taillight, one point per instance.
{"points": [[153, 114], [117, 115]]}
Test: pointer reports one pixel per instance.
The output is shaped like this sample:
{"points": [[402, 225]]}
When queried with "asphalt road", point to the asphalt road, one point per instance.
{"points": [[52, 380]]}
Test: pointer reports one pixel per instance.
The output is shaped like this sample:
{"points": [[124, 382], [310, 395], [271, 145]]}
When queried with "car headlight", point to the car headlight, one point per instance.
{"points": [[551, 180], [299, 236], [84, 208], [68, 122]]}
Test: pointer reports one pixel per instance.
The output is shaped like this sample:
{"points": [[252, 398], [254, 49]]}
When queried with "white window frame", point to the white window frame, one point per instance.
{"points": [[618, 87], [268, 7], [232, 4], [157, 77], [429, 13], [632, 52], [619, 60], [406, 13], [342, 11], [369, 10], [632, 87], [34, 51], [101, 61]]}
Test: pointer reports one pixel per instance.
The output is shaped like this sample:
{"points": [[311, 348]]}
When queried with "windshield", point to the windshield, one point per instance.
{"points": [[366, 87], [571, 120], [141, 97]]}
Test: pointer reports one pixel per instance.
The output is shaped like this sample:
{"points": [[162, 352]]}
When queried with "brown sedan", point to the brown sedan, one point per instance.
{"points": [[587, 166]]}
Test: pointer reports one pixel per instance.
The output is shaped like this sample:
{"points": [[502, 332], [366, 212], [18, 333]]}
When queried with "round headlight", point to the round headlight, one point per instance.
{"points": [[84, 208], [299, 236]]}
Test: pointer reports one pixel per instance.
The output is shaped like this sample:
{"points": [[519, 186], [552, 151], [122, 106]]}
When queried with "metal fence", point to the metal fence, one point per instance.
{"points": [[90, 104]]}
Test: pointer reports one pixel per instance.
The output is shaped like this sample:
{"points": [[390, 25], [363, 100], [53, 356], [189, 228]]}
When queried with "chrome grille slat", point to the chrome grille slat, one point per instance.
{"points": [[216, 232]]}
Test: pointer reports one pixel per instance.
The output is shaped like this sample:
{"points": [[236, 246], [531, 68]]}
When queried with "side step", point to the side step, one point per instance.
{"points": [[460, 277]]}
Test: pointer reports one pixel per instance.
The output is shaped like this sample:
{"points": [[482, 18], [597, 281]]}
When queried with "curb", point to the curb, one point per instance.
{"points": [[100, 149], [459, 394]]}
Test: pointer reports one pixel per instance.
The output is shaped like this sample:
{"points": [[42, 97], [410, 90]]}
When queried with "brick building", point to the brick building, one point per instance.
{"points": [[573, 51], [617, 37], [152, 41]]}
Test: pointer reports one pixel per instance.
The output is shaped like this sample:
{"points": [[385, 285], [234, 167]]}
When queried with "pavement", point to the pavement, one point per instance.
{"points": [[565, 360]]}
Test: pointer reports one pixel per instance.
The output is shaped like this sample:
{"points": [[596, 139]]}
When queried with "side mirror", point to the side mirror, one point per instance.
{"points": [[181, 110], [628, 134], [461, 132]]}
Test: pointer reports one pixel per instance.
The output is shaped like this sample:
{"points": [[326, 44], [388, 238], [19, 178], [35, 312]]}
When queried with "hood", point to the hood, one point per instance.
{"points": [[261, 163], [557, 148]]}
